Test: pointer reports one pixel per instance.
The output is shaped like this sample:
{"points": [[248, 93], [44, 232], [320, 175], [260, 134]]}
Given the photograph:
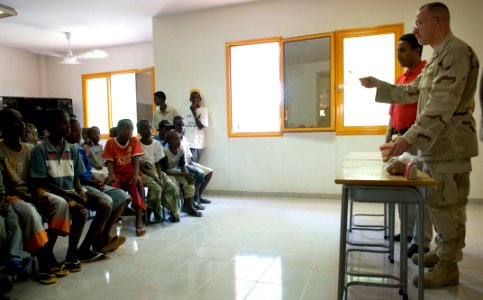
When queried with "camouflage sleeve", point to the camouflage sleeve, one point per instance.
{"points": [[442, 91], [398, 93]]}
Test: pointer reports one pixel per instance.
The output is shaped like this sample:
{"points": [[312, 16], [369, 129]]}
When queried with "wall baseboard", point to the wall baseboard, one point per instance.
{"points": [[294, 195], [273, 194]]}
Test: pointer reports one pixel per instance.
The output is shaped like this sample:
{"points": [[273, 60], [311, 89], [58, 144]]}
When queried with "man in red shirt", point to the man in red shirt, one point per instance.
{"points": [[402, 117]]}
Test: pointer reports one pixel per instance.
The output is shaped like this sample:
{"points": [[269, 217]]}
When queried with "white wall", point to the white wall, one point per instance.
{"points": [[19, 73], [189, 51], [66, 80]]}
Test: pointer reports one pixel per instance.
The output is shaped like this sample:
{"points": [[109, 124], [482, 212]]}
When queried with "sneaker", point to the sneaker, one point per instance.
{"points": [[413, 249], [430, 259], [89, 256], [397, 238], [443, 274]]}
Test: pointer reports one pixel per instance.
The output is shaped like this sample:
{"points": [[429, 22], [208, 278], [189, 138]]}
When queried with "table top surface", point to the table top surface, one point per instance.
{"points": [[362, 168]]}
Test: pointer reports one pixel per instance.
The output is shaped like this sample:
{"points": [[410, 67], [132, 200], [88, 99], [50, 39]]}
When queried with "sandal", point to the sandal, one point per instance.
{"points": [[73, 266], [60, 271], [46, 278], [113, 244], [140, 232]]}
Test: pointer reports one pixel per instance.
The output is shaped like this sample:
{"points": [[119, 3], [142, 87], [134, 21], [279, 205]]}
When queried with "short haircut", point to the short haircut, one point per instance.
{"points": [[113, 132], [177, 118], [4, 122], [412, 41], [172, 133], [123, 122], [91, 130], [437, 7], [140, 122], [160, 95], [52, 116]]}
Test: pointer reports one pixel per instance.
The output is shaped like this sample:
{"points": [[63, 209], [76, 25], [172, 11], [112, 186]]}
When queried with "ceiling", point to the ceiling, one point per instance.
{"points": [[40, 24]]}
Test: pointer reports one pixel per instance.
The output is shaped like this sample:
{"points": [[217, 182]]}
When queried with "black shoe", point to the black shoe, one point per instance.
{"points": [[397, 238], [205, 201], [413, 249], [89, 256]]}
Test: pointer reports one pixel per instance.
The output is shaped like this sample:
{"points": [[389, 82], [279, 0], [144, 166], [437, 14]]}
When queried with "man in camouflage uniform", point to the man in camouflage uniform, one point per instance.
{"points": [[444, 134]]}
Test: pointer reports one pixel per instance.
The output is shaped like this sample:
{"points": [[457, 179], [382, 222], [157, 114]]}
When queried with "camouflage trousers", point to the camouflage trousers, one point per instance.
{"points": [[168, 195], [447, 205]]}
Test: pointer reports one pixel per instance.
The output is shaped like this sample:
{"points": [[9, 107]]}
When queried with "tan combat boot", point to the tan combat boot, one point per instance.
{"points": [[442, 274], [430, 259]]}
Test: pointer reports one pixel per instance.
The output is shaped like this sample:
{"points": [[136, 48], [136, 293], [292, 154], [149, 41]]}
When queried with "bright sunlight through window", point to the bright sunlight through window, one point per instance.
{"points": [[255, 88], [364, 56]]}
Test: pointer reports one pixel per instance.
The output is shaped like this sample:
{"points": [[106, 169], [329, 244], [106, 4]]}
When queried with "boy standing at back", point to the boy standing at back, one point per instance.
{"points": [[163, 111], [196, 119]]}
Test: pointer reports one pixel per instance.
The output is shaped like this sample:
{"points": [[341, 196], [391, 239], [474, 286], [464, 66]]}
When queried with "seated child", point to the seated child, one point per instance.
{"points": [[116, 198], [85, 137], [122, 159], [202, 174], [161, 188], [30, 134], [164, 127], [173, 159], [55, 167], [11, 241], [14, 162], [94, 151], [5, 249], [113, 132]]}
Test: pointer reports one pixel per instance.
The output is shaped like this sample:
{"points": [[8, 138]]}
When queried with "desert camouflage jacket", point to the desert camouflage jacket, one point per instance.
{"points": [[445, 129]]}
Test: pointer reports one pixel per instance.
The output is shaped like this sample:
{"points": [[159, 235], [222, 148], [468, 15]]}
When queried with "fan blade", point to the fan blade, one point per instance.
{"points": [[70, 60], [46, 52], [93, 54]]}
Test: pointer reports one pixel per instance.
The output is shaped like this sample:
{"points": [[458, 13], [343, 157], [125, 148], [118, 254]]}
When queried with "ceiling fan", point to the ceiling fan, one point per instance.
{"points": [[70, 58]]}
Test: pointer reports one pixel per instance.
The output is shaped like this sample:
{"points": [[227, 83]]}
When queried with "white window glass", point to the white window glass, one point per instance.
{"points": [[123, 97], [255, 88], [363, 56], [97, 104]]}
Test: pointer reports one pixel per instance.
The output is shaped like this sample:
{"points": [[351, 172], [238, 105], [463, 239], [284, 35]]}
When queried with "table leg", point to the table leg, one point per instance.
{"points": [[422, 201], [342, 240], [403, 268], [392, 217]]}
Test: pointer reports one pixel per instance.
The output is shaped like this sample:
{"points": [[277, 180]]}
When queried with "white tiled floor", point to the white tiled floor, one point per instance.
{"points": [[245, 248]]}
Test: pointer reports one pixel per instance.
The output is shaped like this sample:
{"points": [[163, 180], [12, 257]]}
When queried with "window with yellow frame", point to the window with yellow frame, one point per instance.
{"points": [[314, 87], [363, 52], [112, 96]]}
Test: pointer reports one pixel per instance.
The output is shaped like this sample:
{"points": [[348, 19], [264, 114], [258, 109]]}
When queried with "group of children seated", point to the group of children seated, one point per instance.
{"points": [[59, 180]]}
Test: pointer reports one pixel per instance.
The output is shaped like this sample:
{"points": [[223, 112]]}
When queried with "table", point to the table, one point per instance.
{"points": [[364, 179]]}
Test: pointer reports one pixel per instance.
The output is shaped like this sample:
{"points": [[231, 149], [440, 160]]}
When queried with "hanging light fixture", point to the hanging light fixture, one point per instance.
{"points": [[6, 11]]}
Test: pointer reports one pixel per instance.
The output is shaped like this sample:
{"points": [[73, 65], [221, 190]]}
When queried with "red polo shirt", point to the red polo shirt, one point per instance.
{"points": [[404, 115]]}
